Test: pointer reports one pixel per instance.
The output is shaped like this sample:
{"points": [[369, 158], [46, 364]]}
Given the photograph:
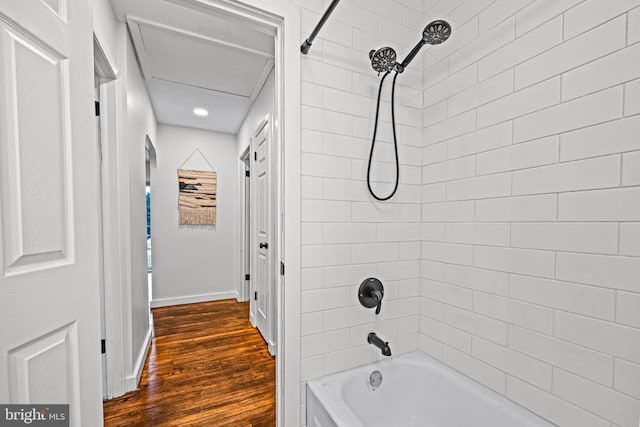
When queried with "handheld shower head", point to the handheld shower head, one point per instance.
{"points": [[383, 59], [436, 32]]}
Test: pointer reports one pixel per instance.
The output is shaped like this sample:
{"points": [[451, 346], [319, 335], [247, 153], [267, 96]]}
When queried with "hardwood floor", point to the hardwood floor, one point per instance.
{"points": [[207, 367]]}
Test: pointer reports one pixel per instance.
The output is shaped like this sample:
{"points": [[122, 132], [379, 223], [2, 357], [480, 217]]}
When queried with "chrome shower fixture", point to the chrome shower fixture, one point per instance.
{"points": [[384, 60]]}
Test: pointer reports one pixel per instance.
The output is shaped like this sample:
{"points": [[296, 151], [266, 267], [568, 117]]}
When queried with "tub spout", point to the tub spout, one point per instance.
{"points": [[374, 339]]}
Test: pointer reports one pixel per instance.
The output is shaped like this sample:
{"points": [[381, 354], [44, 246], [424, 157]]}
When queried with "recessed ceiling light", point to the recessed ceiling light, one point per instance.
{"points": [[200, 112]]}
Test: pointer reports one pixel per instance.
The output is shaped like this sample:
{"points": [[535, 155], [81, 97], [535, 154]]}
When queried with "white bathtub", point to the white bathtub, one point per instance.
{"points": [[416, 390]]}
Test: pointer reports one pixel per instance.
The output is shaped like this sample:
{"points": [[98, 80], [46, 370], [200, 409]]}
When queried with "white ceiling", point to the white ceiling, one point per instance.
{"points": [[174, 103], [196, 59]]}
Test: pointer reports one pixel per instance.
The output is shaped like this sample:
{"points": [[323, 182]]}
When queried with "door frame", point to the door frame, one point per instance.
{"points": [[284, 18], [244, 232], [104, 66]]}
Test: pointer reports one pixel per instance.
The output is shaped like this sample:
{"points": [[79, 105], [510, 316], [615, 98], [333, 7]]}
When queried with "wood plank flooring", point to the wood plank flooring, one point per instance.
{"points": [[207, 367]]}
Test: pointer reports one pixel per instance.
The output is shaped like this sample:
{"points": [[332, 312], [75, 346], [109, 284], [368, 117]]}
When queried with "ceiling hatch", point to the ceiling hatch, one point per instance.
{"points": [[174, 60]]}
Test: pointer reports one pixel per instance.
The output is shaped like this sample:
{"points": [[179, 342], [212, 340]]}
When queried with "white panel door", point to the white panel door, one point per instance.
{"points": [[262, 240], [49, 300]]}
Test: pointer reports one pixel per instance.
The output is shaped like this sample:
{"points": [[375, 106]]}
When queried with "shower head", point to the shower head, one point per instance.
{"points": [[383, 59], [436, 32]]}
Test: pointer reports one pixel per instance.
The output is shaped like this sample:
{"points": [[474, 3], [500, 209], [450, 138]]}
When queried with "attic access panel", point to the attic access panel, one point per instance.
{"points": [[173, 55]]}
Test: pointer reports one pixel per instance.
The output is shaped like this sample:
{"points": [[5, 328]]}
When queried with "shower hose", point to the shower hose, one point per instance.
{"points": [[395, 140]]}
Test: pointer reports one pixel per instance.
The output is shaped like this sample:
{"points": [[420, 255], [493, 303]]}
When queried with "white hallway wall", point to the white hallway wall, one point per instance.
{"points": [[346, 235], [531, 202], [141, 123], [193, 262], [263, 106], [135, 120]]}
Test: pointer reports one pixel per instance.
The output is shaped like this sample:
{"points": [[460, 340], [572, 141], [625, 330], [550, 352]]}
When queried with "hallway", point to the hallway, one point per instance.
{"points": [[207, 366]]}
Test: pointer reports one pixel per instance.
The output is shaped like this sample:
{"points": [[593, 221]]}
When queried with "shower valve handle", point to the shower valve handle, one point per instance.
{"points": [[378, 297], [371, 293]]}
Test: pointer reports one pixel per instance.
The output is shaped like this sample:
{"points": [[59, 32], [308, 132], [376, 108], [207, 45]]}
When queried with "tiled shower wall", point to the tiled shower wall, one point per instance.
{"points": [[530, 272], [346, 237]]}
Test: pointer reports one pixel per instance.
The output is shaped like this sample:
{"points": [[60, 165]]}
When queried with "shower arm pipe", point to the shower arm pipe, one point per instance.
{"points": [[304, 48]]}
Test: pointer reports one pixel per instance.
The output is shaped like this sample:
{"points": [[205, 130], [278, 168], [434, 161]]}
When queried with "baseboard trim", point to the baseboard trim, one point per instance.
{"points": [[164, 302], [237, 294], [132, 381]]}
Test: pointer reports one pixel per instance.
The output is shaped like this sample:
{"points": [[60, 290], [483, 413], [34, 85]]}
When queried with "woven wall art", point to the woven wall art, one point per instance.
{"points": [[197, 197]]}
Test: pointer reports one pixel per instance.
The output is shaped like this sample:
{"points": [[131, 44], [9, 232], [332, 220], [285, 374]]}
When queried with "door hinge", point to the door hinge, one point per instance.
{"points": [[255, 296], [247, 277], [103, 346], [247, 174], [255, 155], [281, 268], [97, 108]]}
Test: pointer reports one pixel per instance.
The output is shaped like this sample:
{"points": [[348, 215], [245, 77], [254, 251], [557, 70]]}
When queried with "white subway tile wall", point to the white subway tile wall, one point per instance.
{"points": [[511, 251], [531, 204], [347, 237]]}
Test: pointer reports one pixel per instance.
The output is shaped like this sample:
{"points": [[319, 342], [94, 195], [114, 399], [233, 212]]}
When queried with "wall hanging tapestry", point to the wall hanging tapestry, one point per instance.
{"points": [[197, 196]]}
